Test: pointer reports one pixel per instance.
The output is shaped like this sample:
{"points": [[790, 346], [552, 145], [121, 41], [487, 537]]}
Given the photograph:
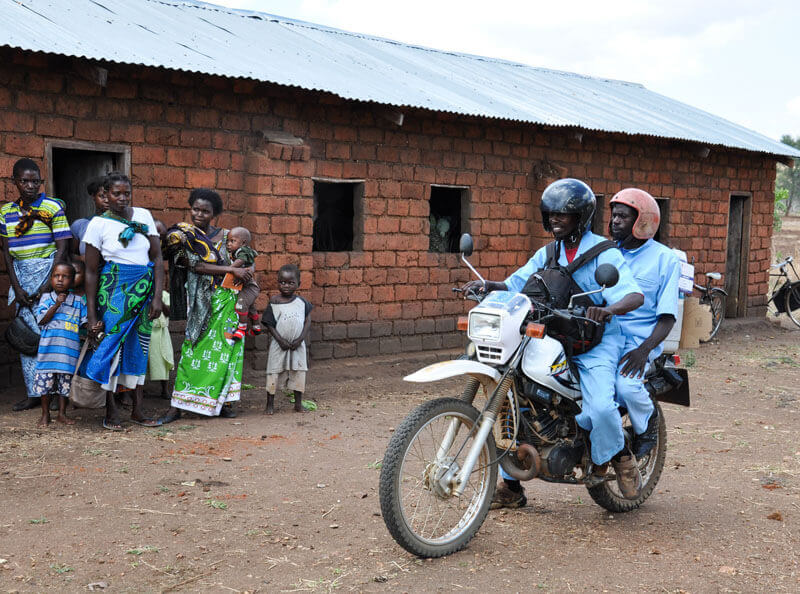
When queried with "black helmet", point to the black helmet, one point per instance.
{"points": [[570, 196]]}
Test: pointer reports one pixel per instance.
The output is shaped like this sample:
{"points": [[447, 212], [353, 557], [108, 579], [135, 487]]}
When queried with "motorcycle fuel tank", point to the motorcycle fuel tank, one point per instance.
{"points": [[545, 362]]}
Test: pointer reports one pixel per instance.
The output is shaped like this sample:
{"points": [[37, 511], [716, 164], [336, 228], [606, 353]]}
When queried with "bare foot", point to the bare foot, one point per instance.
{"points": [[270, 410], [63, 419], [43, 422], [300, 409]]}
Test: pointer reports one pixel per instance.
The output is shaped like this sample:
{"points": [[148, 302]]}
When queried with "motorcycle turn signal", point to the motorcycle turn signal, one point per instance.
{"points": [[534, 330]]}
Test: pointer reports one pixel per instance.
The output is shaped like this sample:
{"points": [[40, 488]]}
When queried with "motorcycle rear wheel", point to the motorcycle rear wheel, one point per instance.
{"points": [[420, 517], [608, 495]]}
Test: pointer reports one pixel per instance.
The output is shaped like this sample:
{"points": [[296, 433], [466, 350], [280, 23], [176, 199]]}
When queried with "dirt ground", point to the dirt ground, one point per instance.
{"points": [[289, 503]]}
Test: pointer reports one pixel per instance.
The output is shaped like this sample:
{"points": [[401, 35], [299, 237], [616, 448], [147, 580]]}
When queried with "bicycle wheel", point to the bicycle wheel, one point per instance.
{"points": [[793, 301], [717, 311]]}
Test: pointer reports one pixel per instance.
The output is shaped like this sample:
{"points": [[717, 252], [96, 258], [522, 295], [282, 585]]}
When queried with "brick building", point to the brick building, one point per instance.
{"points": [[368, 195]]}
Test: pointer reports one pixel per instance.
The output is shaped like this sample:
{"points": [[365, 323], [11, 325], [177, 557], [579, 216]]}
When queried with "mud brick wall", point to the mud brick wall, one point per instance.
{"points": [[261, 146]]}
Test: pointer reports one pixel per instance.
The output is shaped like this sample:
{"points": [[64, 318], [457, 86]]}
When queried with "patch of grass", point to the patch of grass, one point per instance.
{"points": [[248, 387], [163, 488], [689, 359], [159, 433], [41, 520], [377, 465], [142, 550], [123, 470], [187, 427], [216, 504], [62, 568], [94, 452]]}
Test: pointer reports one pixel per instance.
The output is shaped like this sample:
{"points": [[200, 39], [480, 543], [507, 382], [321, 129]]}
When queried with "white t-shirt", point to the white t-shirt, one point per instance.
{"points": [[103, 234]]}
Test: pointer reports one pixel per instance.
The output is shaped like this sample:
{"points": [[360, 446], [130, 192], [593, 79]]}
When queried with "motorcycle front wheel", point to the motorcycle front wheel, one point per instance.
{"points": [[608, 495], [417, 506]]}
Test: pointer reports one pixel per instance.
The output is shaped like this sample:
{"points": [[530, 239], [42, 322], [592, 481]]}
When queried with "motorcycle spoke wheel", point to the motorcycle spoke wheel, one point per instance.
{"points": [[608, 495], [793, 299], [417, 507]]}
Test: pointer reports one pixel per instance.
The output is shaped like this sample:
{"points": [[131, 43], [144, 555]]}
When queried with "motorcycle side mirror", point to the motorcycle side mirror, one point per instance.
{"points": [[465, 245], [606, 275]]}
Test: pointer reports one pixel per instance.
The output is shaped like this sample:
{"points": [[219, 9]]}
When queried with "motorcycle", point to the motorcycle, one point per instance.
{"points": [[439, 472]]}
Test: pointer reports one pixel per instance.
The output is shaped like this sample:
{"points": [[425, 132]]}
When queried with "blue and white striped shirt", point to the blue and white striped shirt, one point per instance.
{"points": [[60, 344]]}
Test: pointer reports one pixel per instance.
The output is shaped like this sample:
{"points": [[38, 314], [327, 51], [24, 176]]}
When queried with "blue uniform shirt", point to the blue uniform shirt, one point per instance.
{"points": [[657, 271], [584, 276]]}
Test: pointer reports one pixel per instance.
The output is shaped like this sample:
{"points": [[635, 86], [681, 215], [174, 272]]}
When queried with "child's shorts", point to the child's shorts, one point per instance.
{"points": [[291, 380], [51, 383], [247, 298]]}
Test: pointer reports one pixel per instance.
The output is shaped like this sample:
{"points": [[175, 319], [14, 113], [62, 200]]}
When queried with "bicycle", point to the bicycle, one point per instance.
{"points": [[786, 298], [715, 298]]}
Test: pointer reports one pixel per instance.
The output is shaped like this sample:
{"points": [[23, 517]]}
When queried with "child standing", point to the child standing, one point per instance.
{"points": [[60, 315], [161, 358], [288, 320], [243, 256]]}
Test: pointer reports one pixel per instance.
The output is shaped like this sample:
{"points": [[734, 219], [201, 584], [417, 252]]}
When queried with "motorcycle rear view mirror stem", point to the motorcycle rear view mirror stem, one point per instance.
{"points": [[465, 246], [606, 276]]}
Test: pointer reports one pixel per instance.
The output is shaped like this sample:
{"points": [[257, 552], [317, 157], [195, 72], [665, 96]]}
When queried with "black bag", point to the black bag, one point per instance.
{"points": [[780, 299], [553, 285], [21, 338]]}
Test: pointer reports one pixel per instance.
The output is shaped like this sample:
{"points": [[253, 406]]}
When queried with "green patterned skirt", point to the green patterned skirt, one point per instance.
{"points": [[210, 371]]}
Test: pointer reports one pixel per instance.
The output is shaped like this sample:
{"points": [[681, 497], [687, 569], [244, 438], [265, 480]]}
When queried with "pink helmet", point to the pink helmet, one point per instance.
{"points": [[646, 224]]}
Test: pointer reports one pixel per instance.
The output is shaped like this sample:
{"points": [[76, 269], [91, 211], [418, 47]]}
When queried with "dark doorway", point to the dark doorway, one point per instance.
{"points": [[738, 256], [74, 165]]}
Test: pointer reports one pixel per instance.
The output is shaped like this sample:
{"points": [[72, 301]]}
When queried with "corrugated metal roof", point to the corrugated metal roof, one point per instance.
{"points": [[199, 37]]}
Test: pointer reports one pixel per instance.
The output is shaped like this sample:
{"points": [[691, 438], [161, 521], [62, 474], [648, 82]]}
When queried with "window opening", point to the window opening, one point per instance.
{"points": [[598, 218], [448, 214], [72, 165], [662, 234], [337, 216]]}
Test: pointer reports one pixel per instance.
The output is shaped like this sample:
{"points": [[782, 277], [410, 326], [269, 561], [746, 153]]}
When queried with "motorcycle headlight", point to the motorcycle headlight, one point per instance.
{"points": [[484, 327]]}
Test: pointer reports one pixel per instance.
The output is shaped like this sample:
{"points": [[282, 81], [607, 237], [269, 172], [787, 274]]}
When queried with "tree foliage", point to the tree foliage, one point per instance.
{"points": [[789, 179]]}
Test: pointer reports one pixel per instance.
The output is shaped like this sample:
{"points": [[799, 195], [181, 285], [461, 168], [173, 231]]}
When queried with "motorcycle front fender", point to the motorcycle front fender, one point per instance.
{"points": [[487, 376]]}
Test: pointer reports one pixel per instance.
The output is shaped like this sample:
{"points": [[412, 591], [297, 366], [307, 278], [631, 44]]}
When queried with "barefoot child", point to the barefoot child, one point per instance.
{"points": [[60, 315], [288, 320], [243, 256], [161, 358]]}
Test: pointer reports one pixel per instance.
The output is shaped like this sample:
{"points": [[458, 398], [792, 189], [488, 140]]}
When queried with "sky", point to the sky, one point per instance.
{"points": [[737, 59]]}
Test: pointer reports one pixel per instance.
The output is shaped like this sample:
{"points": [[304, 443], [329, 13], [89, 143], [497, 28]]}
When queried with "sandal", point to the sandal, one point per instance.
{"points": [[255, 325], [112, 426], [169, 417], [147, 422]]}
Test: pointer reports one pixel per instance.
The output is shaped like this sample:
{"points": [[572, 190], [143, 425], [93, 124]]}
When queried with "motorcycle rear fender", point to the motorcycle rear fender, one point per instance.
{"points": [[488, 376]]}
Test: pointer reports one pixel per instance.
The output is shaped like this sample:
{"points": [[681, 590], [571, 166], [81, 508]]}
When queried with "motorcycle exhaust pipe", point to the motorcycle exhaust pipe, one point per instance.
{"points": [[530, 463]]}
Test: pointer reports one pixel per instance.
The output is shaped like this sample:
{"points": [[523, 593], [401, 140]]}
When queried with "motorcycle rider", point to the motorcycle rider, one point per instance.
{"points": [[567, 208], [635, 217]]}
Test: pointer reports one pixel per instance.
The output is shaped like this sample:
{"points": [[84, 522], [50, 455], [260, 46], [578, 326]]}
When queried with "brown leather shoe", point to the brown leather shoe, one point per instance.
{"points": [[505, 497], [629, 479]]}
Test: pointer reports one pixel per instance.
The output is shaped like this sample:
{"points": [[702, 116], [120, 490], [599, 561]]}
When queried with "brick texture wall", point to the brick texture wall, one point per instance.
{"points": [[187, 130]]}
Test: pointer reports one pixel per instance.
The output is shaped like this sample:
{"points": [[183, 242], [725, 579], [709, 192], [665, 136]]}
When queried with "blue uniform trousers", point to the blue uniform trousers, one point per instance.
{"points": [[631, 392], [600, 414]]}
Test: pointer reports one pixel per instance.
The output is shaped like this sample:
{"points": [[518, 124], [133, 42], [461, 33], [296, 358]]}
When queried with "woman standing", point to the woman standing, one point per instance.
{"points": [[209, 374], [123, 297], [35, 234]]}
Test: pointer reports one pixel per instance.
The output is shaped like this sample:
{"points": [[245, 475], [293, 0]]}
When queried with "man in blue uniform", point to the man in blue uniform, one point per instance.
{"points": [[635, 217], [567, 208]]}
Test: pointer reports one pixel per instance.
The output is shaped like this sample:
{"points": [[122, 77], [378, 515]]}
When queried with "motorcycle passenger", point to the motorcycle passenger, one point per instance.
{"points": [[567, 208], [635, 217]]}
